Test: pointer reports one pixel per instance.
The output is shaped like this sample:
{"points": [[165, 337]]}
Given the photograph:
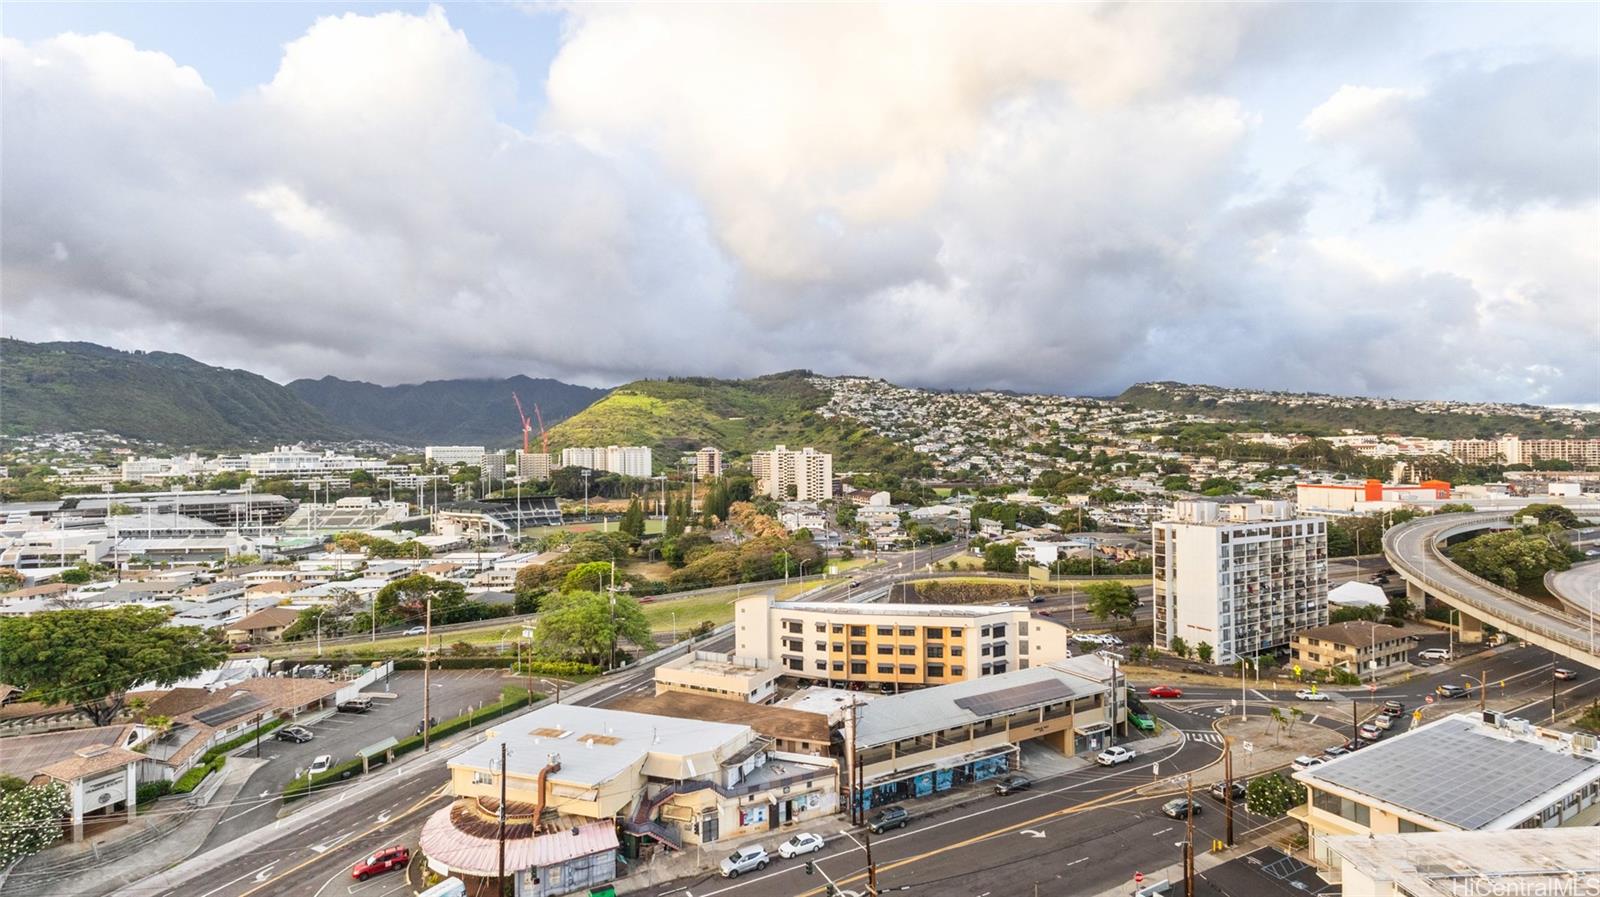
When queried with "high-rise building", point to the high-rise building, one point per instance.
{"points": [[1515, 450], [533, 465], [806, 475], [492, 465], [1240, 575], [451, 455], [708, 463], [628, 460]]}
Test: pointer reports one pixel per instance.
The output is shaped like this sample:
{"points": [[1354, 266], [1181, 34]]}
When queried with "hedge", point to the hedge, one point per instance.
{"points": [[539, 667], [246, 738], [149, 791], [515, 699], [192, 779]]}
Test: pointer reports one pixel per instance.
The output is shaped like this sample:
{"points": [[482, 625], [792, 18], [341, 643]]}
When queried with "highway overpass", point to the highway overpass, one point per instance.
{"points": [[1415, 550]]}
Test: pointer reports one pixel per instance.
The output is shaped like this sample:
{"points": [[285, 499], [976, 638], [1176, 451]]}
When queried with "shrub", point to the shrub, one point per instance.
{"points": [[192, 779], [1272, 795], [247, 738], [149, 791]]}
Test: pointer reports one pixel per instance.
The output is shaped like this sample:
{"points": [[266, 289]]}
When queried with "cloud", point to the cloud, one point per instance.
{"points": [[1500, 137], [1060, 198]]}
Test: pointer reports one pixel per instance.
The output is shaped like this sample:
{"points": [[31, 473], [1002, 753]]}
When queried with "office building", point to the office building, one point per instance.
{"points": [[1358, 498], [708, 463], [451, 455], [895, 645], [784, 475], [533, 466], [297, 462], [1242, 575], [627, 460], [492, 466], [1466, 772]]}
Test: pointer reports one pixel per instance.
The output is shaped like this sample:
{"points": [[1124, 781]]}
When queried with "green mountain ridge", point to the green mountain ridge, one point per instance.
{"points": [[736, 416], [467, 411]]}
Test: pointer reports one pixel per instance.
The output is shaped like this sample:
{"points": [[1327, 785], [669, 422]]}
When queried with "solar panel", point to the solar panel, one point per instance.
{"points": [[235, 707], [1030, 694]]}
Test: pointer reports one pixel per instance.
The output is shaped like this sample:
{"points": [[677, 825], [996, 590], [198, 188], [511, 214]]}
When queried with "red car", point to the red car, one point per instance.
{"points": [[1165, 691], [382, 861]]}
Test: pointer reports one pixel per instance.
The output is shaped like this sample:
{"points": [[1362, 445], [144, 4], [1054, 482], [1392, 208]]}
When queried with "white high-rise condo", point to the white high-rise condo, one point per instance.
{"points": [[451, 455], [628, 460], [708, 463], [1240, 575], [806, 475]]}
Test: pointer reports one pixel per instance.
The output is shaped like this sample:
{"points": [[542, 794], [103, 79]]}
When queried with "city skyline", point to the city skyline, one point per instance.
{"points": [[1056, 200]]}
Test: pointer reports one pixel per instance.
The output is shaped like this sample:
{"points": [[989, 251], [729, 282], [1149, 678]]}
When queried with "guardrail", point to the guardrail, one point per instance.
{"points": [[1535, 617]]}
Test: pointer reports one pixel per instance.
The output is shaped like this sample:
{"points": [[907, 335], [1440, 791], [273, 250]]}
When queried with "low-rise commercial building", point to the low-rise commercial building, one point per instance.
{"points": [[749, 679], [894, 645], [1360, 647], [1461, 773], [451, 455], [1452, 864], [789, 730]]}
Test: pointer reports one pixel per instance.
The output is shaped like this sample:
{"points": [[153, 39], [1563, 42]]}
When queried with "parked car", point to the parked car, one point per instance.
{"points": [[1565, 674], [1356, 744], [1304, 762], [1451, 691], [1383, 721], [1115, 756], [1180, 808], [1036, 599], [746, 859], [320, 764], [1142, 720], [416, 630], [1013, 783], [1306, 694], [296, 734], [888, 818], [1165, 691], [1335, 753], [805, 842], [382, 861], [1219, 790], [1370, 731], [1393, 708], [1434, 654], [356, 705]]}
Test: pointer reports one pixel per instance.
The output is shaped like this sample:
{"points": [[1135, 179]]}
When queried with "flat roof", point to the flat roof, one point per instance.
{"points": [[767, 719], [913, 713], [623, 739], [1448, 864], [1459, 771], [883, 610]]}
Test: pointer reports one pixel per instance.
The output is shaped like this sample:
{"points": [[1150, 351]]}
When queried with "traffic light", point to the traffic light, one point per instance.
{"points": [[829, 890], [810, 867]]}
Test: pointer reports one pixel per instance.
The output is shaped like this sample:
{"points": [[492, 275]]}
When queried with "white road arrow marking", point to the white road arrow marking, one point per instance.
{"points": [[1032, 833], [384, 816], [265, 871], [1076, 862], [265, 793]]}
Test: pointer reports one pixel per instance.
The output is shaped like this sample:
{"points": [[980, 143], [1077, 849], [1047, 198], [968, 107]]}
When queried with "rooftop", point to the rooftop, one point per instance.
{"points": [[1497, 777], [890, 609], [1355, 632], [766, 719], [1447, 864], [912, 713]]}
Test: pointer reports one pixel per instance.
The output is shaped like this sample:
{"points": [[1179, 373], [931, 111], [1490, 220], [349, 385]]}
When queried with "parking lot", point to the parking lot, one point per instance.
{"points": [[343, 735]]}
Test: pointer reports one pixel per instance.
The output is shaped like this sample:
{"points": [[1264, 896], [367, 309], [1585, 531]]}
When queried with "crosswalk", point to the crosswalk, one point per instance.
{"points": [[1203, 735]]}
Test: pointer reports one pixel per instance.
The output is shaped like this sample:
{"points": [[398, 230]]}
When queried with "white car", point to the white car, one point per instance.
{"points": [[1113, 756], [320, 764], [1434, 654], [805, 842], [1306, 694], [1303, 762], [745, 859], [1383, 721], [416, 630]]}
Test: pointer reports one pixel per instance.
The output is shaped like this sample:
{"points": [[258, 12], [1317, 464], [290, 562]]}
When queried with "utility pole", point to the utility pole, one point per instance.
{"points": [[427, 665], [1188, 838], [1552, 688], [502, 879], [1483, 690], [1355, 720], [258, 736], [872, 868], [1227, 771], [855, 771]]}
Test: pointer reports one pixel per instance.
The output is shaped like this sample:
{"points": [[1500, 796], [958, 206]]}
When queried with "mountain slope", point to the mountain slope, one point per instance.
{"points": [[737, 416], [157, 396], [470, 412]]}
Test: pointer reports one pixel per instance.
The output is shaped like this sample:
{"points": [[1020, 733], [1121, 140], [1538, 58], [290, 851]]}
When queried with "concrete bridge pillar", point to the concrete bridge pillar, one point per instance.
{"points": [[1469, 630]]}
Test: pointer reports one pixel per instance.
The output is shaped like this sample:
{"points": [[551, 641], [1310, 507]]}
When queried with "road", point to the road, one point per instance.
{"points": [[1578, 588]]}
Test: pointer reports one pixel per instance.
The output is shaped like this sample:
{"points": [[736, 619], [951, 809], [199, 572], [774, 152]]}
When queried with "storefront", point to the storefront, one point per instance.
{"points": [[914, 783]]}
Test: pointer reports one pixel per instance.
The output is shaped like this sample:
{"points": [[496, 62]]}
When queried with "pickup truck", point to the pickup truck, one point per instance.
{"points": [[1113, 756]]}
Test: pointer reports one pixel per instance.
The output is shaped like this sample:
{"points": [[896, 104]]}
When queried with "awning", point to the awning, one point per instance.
{"points": [[950, 762], [1092, 728]]}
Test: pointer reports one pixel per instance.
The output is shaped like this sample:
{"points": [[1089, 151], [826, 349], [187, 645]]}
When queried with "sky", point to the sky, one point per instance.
{"points": [[1396, 200]]}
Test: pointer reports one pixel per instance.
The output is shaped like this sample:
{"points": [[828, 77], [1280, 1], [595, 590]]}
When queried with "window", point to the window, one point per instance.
{"points": [[886, 649], [858, 649], [1407, 827], [1022, 629], [482, 778], [839, 647], [1000, 630], [886, 630], [793, 626], [838, 666], [984, 649], [958, 671], [935, 650], [823, 627], [907, 669], [908, 649], [1000, 666], [908, 631], [838, 628], [858, 667], [821, 645], [858, 632], [794, 663], [886, 668], [1022, 647], [986, 669], [955, 631], [821, 664], [955, 650], [935, 671], [999, 649], [934, 632], [984, 632]]}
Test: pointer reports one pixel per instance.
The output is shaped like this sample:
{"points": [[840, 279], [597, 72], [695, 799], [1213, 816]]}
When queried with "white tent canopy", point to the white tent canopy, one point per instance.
{"points": [[1358, 594]]}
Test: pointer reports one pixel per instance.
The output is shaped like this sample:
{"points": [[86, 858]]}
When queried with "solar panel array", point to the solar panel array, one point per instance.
{"points": [[1455, 772], [1030, 694], [235, 707]]}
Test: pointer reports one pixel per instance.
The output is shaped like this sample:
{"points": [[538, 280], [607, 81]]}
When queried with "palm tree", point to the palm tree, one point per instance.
{"points": [[160, 725]]}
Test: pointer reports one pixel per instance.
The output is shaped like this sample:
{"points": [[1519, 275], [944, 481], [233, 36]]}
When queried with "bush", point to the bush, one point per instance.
{"points": [[540, 667], [192, 779], [246, 738], [1272, 795], [149, 791]]}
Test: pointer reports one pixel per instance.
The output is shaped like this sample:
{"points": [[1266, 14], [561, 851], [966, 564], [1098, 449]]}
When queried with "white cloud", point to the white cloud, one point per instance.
{"points": [[1056, 197]]}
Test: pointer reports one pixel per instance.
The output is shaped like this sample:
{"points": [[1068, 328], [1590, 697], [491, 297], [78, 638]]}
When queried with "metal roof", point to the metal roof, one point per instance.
{"points": [[894, 717], [235, 707], [1458, 771]]}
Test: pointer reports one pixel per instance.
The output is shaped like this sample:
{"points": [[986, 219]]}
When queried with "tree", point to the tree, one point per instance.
{"points": [[586, 626], [1272, 795], [1000, 557], [633, 520], [1110, 600], [11, 579], [1456, 507], [1203, 651], [31, 818], [91, 658], [75, 575], [406, 599], [1559, 515], [1400, 606], [587, 577], [1180, 647], [1513, 559], [1135, 652]]}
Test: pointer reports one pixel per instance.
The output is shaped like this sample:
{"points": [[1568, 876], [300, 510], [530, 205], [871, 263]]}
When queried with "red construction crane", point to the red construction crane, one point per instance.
{"points": [[544, 435], [527, 425]]}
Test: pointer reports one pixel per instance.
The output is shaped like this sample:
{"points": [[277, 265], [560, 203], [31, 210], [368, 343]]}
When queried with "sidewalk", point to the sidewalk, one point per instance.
{"points": [[1204, 860], [170, 831]]}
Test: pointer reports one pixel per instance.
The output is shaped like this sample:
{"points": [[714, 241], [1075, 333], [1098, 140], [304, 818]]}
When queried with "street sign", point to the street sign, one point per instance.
{"points": [[1373, 687], [1297, 669], [1138, 878], [527, 633], [1249, 748], [1430, 699]]}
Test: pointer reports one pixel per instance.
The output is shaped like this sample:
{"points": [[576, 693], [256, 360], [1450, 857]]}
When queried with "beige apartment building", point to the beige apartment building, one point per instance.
{"points": [[895, 645], [784, 475], [1360, 647], [708, 463]]}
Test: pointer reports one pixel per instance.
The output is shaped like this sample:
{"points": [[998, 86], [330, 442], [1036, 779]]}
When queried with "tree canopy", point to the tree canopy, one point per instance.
{"points": [[90, 658], [586, 626], [405, 599], [1513, 559], [1110, 600]]}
